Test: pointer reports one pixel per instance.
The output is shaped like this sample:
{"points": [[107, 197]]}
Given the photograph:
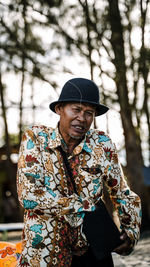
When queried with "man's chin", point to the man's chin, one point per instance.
{"points": [[76, 137]]}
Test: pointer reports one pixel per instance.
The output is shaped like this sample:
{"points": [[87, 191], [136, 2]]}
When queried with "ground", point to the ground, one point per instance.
{"points": [[140, 257]]}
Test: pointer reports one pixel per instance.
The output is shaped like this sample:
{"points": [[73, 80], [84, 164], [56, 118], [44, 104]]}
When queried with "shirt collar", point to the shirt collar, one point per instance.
{"points": [[56, 140]]}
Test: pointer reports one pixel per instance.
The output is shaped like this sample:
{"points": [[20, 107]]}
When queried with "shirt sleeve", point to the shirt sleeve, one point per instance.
{"points": [[126, 202], [35, 195]]}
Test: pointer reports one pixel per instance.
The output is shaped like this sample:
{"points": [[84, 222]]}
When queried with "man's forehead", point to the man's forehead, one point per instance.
{"points": [[78, 104]]}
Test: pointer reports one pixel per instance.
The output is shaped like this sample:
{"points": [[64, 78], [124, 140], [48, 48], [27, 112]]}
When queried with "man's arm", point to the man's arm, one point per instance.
{"points": [[126, 202]]}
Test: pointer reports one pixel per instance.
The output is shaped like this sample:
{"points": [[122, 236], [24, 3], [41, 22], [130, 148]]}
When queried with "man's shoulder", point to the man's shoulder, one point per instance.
{"points": [[99, 138], [100, 135], [39, 130]]}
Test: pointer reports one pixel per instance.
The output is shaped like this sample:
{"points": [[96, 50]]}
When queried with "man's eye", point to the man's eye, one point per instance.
{"points": [[90, 113], [76, 109]]}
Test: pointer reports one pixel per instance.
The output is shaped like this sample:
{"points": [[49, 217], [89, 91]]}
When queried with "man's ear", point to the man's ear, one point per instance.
{"points": [[57, 109]]}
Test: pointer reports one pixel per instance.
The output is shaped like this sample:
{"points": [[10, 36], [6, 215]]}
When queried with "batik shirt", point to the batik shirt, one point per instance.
{"points": [[54, 213]]}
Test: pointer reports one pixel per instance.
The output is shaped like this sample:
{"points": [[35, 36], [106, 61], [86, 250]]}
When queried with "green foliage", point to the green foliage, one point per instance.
{"points": [[14, 139]]}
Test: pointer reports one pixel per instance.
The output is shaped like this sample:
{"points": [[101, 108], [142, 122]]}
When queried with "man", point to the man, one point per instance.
{"points": [[55, 202]]}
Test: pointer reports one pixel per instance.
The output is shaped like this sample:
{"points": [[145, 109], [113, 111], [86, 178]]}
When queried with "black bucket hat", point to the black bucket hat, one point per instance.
{"points": [[83, 91]]}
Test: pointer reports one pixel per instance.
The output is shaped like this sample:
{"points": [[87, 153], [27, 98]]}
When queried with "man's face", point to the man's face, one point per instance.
{"points": [[75, 119]]}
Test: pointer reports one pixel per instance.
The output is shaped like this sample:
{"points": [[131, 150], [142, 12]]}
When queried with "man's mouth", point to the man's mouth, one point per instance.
{"points": [[79, 128]]}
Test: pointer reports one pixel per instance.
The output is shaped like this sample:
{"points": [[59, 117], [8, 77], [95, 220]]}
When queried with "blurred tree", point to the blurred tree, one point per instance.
{"points": [[105, 34], [132, 138], [8, 166], [20, 47], [111, 37], [22, 53], [23, 50]]}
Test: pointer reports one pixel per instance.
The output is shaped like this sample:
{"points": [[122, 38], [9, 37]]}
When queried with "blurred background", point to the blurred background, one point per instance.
{"points": [[43, 43]]}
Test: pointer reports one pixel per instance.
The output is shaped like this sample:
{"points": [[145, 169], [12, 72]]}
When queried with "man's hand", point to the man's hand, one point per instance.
{"points": [[126, 247]]}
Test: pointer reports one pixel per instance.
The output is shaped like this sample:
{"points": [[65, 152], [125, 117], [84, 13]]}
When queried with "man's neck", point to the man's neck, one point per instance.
{"points": [[69, 143]]}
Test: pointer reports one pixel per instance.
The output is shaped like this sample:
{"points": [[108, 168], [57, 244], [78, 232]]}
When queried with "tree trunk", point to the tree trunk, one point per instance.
{"points": [[23, 69], [7, 141], [10, 183], [144, 69], [133, 154]]}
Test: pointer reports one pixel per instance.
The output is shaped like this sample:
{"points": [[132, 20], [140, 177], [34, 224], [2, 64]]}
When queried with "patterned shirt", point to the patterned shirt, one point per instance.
{"points": [[54, 213]]}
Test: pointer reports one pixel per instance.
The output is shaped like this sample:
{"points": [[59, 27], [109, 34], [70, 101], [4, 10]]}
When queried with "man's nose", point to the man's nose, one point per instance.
{"points": [[81, 116]]}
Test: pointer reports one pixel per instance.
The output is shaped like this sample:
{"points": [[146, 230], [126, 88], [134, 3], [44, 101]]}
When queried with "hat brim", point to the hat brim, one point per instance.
{"points": [[100, 109]]}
